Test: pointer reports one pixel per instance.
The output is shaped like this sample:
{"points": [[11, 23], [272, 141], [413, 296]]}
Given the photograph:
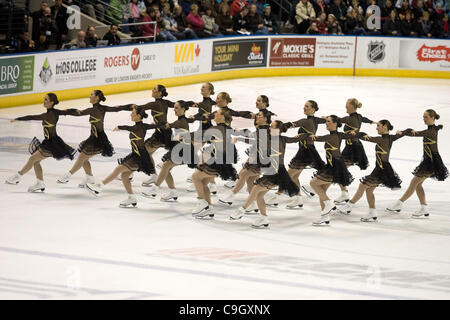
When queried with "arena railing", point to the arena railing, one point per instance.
{"points": [[136, 24]]}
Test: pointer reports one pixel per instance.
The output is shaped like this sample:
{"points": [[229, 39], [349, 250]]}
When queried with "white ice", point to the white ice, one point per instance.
{"points": [[67, 244]]}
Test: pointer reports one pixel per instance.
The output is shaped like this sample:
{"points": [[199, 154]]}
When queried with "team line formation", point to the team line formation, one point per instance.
{"points": [[211, 152]]}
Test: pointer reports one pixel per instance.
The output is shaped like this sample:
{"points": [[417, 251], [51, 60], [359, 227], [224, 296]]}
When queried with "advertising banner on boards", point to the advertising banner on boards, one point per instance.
{"points": [[425, 54], [292, 52], [243, 53], [16, 74]]}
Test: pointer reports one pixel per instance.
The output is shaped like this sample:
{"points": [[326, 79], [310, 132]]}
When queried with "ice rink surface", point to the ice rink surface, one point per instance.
{"points": [[67, 244]]}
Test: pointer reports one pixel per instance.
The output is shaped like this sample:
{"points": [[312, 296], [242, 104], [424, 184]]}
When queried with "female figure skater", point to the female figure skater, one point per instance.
{"points": [[262, 104], [137, 160], [162, 136], [335, 170], [97, 143], [383, 174], [216, 164], [222, 101], [172, 158], [307, 155], [258, 153], [431, 166], [275, 175], [204, 110], [353, 152], [52, 146]]}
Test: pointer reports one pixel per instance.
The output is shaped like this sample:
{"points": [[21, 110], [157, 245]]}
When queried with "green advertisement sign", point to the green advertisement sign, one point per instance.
{"points": [[16, 74]]}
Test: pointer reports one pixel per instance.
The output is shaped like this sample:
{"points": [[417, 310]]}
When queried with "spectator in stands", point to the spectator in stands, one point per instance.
{"points": [[424, 25], [196, 22], [391, 26], [213, 4], [260, 6], [37, 16], [255, 21], [185, 6], [269, 20], [25, 44], [404, 8], [79, 41], [112, 36], [319, 7], [170, 19], [240, 22], [339, 10], [182, 23], [319, 26], [304, 15], [148, 30], [91, 37], [354, 24], [408, 26], [210, 24], [135, 9], [43, 43], [355, 5], [236, 6], [119, 13], [163, 32], [333, 25], [387, 8], [418, 9], [224, 20], [48, 25], [60, 16]]}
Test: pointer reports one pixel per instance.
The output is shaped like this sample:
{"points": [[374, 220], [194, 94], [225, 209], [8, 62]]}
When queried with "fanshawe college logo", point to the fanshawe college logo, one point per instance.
{"points": [[46, 72], [133, 60], [187, 58], [375, 51], [292, 52], [432, 54]]}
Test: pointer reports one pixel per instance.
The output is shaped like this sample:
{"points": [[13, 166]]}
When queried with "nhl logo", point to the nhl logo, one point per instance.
{"points": [[375, 52]]}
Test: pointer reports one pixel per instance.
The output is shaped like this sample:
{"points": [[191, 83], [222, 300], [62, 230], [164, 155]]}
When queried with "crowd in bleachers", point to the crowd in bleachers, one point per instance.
{"points": [[170, 20]]}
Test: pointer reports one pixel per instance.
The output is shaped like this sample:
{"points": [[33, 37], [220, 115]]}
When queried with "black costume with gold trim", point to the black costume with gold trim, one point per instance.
{"points": [[383, 174], [98, 141], [335, 170], [354, 152], [432, 164], [138, 159], [52, 145]]}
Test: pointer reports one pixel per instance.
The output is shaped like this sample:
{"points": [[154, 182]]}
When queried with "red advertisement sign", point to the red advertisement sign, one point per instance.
{"points": [[431, 54], [132, 60], [292, 52]]}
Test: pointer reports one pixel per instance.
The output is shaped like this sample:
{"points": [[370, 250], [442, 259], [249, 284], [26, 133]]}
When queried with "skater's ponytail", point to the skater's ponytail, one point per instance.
{"points": [[210, 87], [141, 112], [183, 104], [226, 97], [354, 103], [279, 125], [433, 114], [53, 98], [313, 104], [265, 100], [162, 89], [100, 95], [387, 124], [267, 114], [336, 120]]}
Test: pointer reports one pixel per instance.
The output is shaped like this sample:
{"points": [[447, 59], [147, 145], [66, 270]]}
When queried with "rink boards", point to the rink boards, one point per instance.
{"points": [[74, 73]]}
